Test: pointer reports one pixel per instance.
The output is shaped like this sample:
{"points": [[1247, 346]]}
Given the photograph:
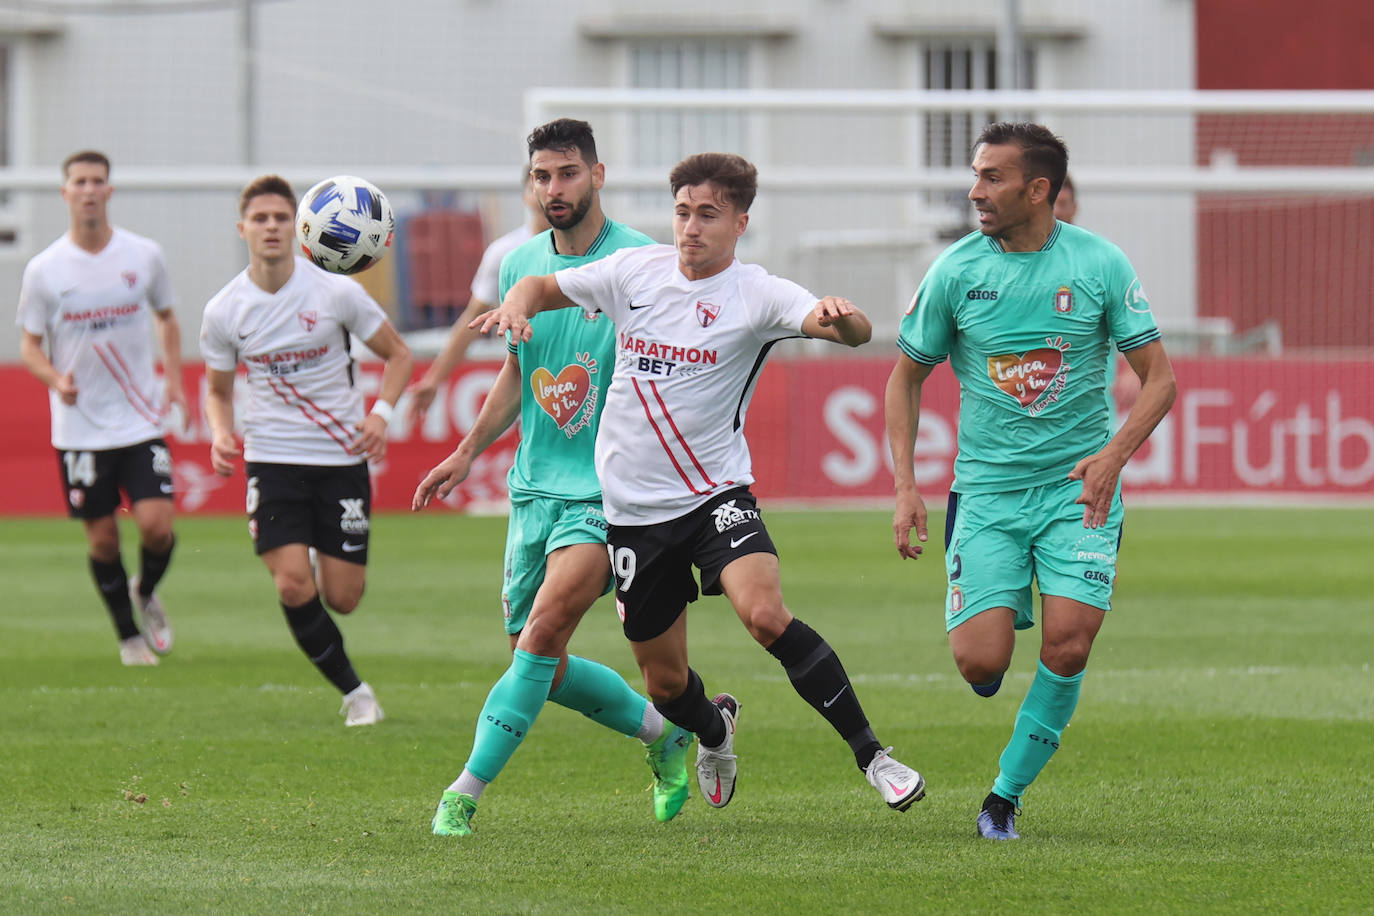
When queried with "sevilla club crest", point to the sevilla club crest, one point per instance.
{"points": [[130, 278], [706, 313], [307, 319]]}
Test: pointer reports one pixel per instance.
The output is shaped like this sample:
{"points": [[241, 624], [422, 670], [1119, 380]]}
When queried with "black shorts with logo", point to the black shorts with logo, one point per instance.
{"points": [[653, 563], [92, 480], [328, 508]]}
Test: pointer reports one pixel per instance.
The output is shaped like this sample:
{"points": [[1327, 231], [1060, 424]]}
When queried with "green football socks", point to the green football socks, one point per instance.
{"points": [[1044, 715], [601, 695], [511, 708]]}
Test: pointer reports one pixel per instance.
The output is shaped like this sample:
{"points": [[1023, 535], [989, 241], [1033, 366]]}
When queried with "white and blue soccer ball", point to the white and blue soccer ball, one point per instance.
{"points": [[345, 224]]}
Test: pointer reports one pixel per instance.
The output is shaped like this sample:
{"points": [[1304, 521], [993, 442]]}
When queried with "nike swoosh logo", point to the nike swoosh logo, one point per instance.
{"points": [[350, 547], [895, 788], [715, 796], [734, 543], [828, 703], [635, 308], [166, 487]]}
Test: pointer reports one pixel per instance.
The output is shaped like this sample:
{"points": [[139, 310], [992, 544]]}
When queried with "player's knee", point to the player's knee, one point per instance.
{"points": [[981, 668], [765, 619], [664, 683], [104, 550], [344, 600], [294, 590], [102, 541], [158, 538], [547, 634], [664, 691], [1066, 658]]}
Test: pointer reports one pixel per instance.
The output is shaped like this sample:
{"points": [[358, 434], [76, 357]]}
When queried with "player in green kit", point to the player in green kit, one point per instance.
{"points": [[556, 563], [1026, 310]]}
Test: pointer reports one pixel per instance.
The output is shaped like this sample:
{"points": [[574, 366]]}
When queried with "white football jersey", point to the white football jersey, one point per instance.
{"points": [[303, 405], [688, 355], [96, 312], [486, 283]]}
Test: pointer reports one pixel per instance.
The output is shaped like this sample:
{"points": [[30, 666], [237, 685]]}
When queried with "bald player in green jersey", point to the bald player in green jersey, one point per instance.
{"points": [[556, 564], [1026, 310]]}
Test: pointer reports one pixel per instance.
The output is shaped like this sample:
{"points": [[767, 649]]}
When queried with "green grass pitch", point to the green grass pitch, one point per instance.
{"points": [[1220, 759]]}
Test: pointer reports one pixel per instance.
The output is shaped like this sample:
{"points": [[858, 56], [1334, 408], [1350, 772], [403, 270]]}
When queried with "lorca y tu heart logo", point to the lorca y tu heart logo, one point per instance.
{"points": [[1032, 375], [562, 397]]}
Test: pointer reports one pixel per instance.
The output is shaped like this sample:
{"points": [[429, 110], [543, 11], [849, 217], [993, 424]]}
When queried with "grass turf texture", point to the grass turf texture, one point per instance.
{"points": [[1219, 760]]}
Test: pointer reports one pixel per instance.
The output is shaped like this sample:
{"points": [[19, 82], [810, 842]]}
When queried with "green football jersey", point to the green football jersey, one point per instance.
{"points": [[1028, 335], [565, 369]]}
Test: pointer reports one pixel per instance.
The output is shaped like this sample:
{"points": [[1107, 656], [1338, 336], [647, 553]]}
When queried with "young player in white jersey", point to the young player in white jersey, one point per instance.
{"points": [[1026, 310], [485, 293], [306, 439], [96, 295], [693, 326]]}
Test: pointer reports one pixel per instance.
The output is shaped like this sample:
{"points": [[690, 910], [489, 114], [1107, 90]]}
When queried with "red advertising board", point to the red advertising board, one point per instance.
{"points": [[29, 465], [1256, 428]]}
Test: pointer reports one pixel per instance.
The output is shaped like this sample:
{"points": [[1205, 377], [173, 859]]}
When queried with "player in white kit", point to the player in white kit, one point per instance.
{"points": [[693, 326], [306, 441], [97, 294]]}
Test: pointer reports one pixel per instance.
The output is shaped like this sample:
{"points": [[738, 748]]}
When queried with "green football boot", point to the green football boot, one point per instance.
{"points": [[667, 757], [454, 815]]}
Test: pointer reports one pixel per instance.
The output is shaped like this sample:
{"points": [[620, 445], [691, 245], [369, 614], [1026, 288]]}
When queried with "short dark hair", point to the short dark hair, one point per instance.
{"points": [[86, 155], [264, 185], [1043, 155], [734, 176], [564, 135]]}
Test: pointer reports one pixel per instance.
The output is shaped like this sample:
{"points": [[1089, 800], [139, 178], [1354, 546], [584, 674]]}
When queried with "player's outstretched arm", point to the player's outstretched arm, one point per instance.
{"points": [[498, 412], [370, 441], [460, 338], [838, 320], [902, 408], [219, 413], [524, 300], [31, 352], [1100, 472]]}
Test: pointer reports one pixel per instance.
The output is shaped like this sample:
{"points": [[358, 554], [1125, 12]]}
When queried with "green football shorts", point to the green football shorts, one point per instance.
{"points": [[537, 528], [997, 543]]}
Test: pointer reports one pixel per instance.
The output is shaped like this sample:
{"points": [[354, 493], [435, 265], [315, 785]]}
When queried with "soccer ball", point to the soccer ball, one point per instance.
{"points": [[344, 224]]}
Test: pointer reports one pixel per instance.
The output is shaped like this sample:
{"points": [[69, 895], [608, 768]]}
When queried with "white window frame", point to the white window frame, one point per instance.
{"points": [[650, 210], [944, 140]]}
